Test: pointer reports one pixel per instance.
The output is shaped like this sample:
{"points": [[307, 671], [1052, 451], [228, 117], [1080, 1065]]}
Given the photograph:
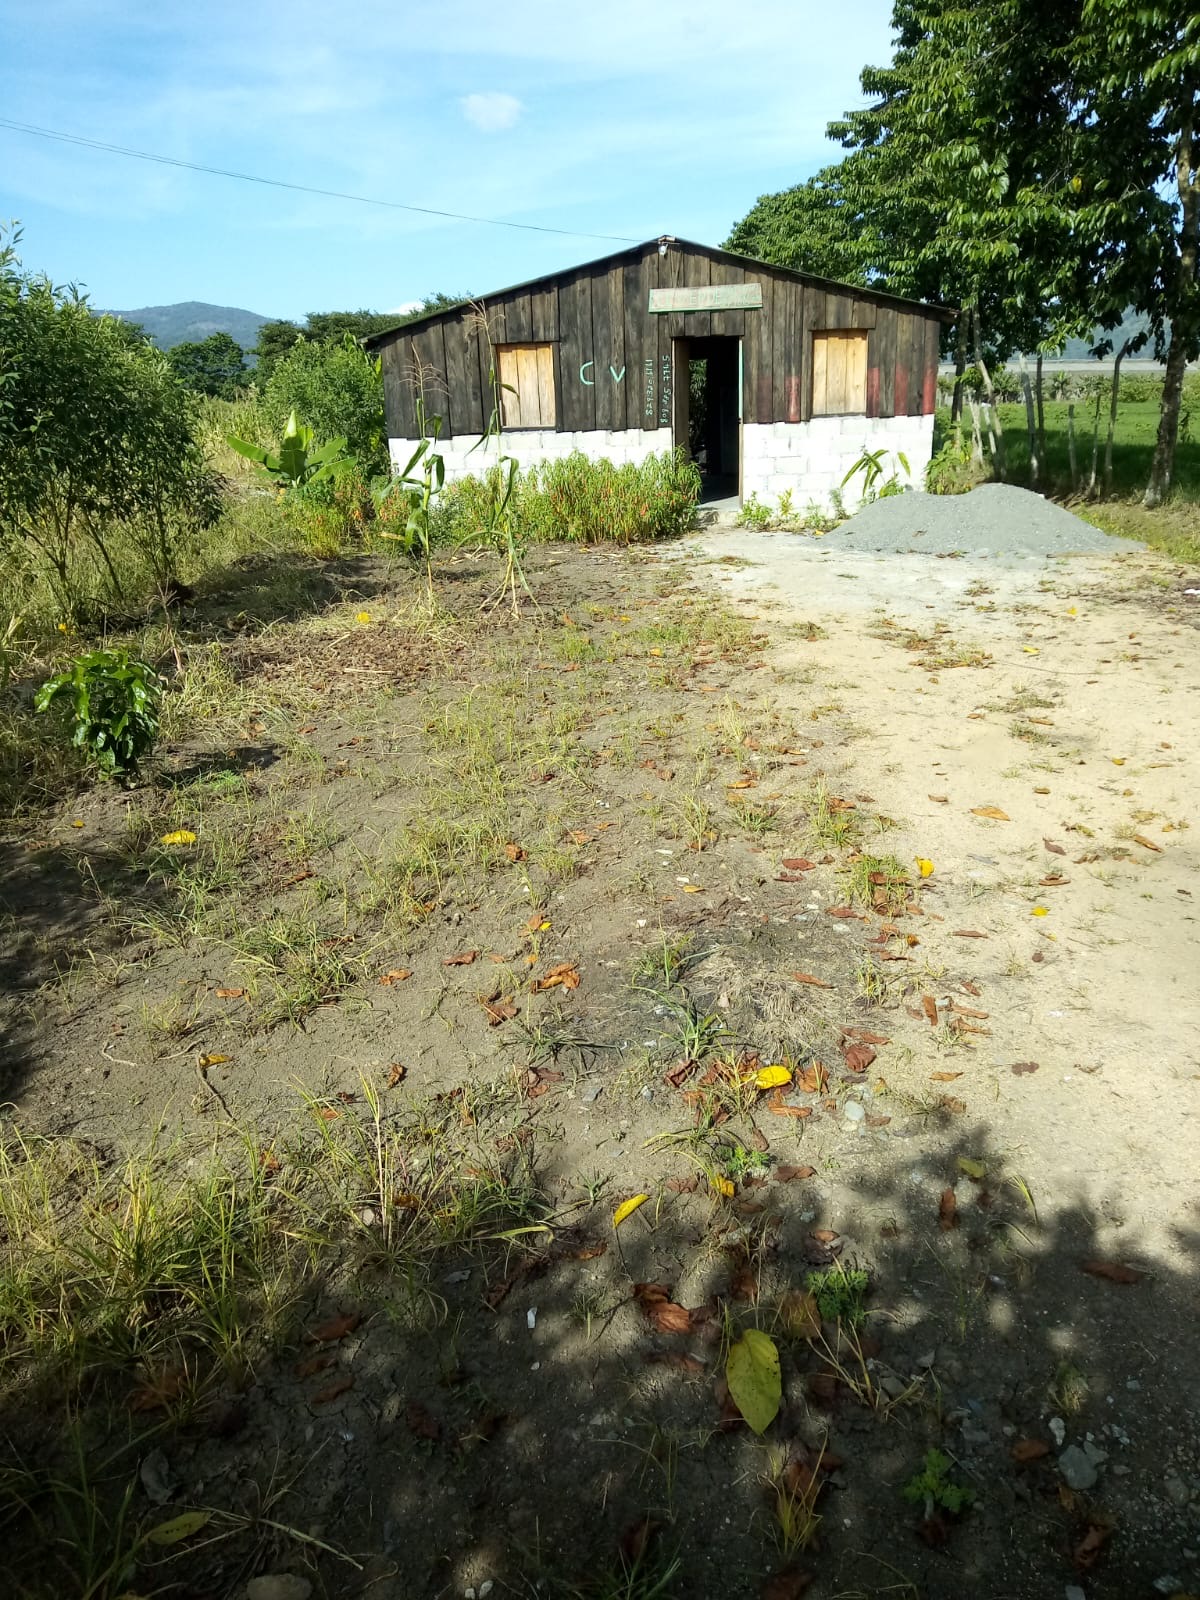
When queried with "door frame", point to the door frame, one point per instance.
{"points": [[681, 396]]}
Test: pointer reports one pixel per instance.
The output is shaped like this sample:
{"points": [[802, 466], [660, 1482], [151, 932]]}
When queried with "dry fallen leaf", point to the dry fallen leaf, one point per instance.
{"points": [[1024, 1067], [800, 1314], [944, 1077], [777, 1107], [396, 1073], [948, 1211], [1113, 1271], [798, 864], [564, 975], [231, 994], [338, 1387], [1147, 844], [942, 799], [660, 1311], [396, 975], [1089, 1547], [929, 1007], [991, 811], [1029, 1450], [773, 1077], [514, 852], [807, 977], [969, 933], [463, 959], [956, 1107], [792, 1174], [1054, 849], [335, 1328], [628, 1207], [858, 1057]]}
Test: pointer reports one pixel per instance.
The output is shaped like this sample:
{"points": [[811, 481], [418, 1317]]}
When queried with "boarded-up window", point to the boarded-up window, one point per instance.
{"points": [[527, 385], [839, 374]]}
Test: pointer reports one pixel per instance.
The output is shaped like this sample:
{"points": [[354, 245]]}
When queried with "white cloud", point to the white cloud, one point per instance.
{"points": [[403, 310], [491, 113]]}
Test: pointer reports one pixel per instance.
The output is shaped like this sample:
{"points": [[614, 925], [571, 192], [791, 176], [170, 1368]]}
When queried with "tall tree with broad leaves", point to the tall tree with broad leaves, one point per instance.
{"points": [[1138, 181]]}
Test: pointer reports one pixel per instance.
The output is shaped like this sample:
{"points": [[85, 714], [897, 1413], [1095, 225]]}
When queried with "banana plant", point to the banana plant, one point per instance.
{"points": [[298, 463]]}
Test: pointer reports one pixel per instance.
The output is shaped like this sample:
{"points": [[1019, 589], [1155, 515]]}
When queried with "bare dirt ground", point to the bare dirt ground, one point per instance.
{"points": [[488, 926]]}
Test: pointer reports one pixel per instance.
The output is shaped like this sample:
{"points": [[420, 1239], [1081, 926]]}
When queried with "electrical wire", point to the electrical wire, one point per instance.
{"points": [[12, 126]]}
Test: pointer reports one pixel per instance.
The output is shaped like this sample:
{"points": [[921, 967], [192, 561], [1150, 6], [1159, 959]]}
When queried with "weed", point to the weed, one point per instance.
{"points": [[879, 881], [1070, 1390], [697, 1034], [829, 824], [933, 1489], [665, 964], [840, 1293]]}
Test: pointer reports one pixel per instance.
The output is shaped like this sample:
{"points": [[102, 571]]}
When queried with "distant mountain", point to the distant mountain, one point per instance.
{"points": [[1131, 323], [193, 320]]}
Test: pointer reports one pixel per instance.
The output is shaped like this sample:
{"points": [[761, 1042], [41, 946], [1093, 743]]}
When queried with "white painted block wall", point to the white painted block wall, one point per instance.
{"points": [[464, 458], [808, 458], [811, 458]]}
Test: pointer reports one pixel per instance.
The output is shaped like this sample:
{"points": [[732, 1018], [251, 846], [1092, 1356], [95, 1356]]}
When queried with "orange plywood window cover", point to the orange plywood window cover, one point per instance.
{"points": [[527, 385], [839, 374]]}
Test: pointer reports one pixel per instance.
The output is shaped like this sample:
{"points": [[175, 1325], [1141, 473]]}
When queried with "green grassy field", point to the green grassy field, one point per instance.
{"points": [[1173, 528]]}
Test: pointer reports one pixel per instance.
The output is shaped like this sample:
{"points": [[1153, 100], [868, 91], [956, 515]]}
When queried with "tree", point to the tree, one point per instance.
{"points": [[95, 432], [337, 390], [1139, 185], [275, 339], [212, 366]]}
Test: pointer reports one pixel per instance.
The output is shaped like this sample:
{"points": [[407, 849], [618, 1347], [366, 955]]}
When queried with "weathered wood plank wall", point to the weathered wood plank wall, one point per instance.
{"points": [[613, 358]]}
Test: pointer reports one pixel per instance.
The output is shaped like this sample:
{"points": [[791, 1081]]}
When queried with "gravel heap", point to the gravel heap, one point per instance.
{"points": [[997, 519]]}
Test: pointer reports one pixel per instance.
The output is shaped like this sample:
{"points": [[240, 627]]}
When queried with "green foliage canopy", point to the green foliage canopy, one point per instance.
{"points": [[213, 366]]}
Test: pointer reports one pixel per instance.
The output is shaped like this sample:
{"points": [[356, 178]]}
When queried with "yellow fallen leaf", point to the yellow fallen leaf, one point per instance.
{"points": [[207, 1061], [692, 888], [772, 1077], [991, 811], [77, 822], [1117, 761], [925, 866], [1031, 650], [180, 836], [1040, 911], [1147, 844], [628, 1207], [1071, 611], [363, 616], [723, 1186], [656, 652], [972, 1168]]}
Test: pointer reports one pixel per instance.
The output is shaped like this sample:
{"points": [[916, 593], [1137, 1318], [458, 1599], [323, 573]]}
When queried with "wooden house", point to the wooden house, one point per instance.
{"points": [[775, 381]]}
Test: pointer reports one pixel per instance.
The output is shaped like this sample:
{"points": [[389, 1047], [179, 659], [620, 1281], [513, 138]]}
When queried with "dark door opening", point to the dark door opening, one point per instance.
{"points": [[708, 413]]}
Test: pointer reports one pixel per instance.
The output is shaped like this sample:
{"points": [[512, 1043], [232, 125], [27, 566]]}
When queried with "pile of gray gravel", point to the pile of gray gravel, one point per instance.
{"points": [[996, 519]]}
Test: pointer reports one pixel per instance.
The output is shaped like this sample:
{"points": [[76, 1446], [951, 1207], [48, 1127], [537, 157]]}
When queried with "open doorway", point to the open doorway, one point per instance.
{"points": [[708, 413]]}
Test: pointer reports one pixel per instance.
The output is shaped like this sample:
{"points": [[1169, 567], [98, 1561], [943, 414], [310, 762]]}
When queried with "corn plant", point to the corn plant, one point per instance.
{"points": [[113, 701], [409, 495], [299, 463], [871, 465]]}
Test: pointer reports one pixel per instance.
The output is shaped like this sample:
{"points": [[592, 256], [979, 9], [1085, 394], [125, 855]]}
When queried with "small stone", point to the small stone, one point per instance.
{"points": [[1074, 1592], [1059, 1430], [927, 1360], [1077, 1468], [647, 1092], [485, 1588], [591, 1093], [1176, 1490], [1168, 1584], [853, 1112], [278, 1586], [156, 1478], [368, 1217]]}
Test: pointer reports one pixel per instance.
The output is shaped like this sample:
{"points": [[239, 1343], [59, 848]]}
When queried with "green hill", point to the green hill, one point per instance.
{"points": [[193, 320]]}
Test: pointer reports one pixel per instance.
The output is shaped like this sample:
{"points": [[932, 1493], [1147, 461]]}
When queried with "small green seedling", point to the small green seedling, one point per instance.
{"points": [[113, 701], [742, 1163], [933, 1489], [840, 1293]]}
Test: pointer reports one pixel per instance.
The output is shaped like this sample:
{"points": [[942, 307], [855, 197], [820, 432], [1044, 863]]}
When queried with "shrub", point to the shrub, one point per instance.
{"points": [[337, 390], [577, 498], [96, 436], [112, 700]]}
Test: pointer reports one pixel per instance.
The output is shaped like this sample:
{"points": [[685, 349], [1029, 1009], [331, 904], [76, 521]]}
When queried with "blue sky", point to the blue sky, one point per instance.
{"points": [[628, 117]]}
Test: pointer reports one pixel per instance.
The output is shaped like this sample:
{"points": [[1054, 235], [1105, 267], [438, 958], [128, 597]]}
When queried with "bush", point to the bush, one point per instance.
{"points": [[337, 390], [97, 442], [112, 700], [577, 498]]}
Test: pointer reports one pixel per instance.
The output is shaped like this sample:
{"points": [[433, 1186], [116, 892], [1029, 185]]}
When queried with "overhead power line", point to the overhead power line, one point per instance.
{"points": [[299, 188]]}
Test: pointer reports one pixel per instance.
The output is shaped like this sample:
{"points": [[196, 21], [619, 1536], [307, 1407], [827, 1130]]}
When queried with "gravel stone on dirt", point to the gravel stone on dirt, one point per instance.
{"points": [[996, 519]]}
